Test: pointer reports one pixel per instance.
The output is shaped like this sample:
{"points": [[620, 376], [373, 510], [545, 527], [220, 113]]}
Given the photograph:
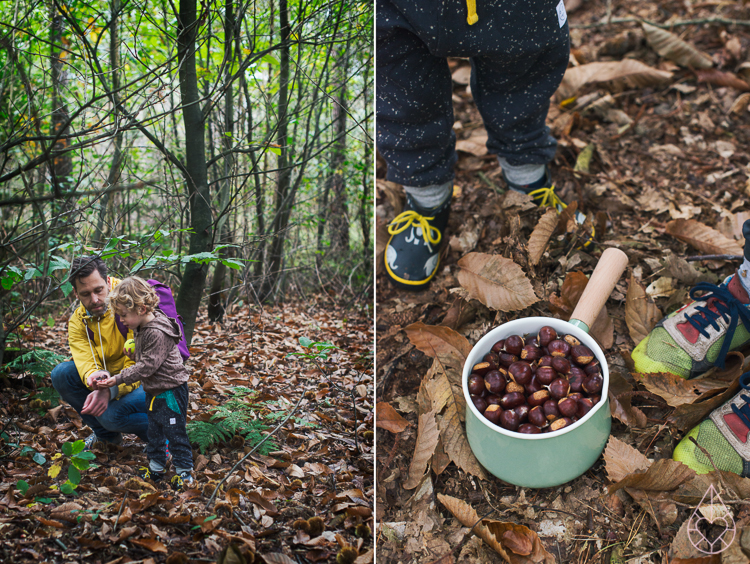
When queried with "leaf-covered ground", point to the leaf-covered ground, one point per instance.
{"points": [[320, 463], [653, 127]]}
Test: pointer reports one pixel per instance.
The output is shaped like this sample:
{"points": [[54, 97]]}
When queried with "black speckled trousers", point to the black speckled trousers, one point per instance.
{"points": [[519, 53], [166, 424]]}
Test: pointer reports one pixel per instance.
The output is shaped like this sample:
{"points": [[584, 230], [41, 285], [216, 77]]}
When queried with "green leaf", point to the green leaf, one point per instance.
{"points": [[232, 263], [45, 500], [67, 449], [68, 489], [78, 446], [80, 464], [50, 321], [22, 486], [27, 450], [74, 475], [305, 341], [275, 150], [86, 455], [66, 289], [39, 459]]}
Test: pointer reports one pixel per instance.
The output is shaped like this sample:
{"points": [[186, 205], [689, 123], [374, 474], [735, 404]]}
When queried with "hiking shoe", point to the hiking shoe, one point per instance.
{"points": [[699, 335], [724, 435], [182, 481], [92, 439], [412, 255], [145, 473], [543, 195]]}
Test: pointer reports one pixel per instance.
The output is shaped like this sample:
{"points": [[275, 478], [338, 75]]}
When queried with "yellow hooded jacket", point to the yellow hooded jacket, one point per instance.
{"points": [[96, 344]]}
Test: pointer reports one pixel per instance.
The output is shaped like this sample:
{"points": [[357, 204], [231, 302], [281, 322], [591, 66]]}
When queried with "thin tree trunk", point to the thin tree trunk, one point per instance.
{"points": [[339, 220], [367, 174], [196, 177]]}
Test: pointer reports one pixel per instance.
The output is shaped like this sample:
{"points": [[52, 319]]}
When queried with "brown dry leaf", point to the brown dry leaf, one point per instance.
{"points": [[520, 537], [621, 459], [705, 239], [449, 399], [632, 72], [682, 548], [476, 144], [678, 391], [657, 504], [663, 475], [541, 235], [721, 78], [641, 314], [684, 271], [730, 486], [442, 343], [671, 47], [740, 104], [572, 288], [603, 329], [427, 440], [388, 418], [150, 544], [687, 416], [497, 282], [277, 558], [462, 75], [381, 242], [622, 409]]}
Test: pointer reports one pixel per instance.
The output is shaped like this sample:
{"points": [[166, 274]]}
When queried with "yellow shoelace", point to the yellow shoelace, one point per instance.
{"points": [[406, 219], [548, 197]]}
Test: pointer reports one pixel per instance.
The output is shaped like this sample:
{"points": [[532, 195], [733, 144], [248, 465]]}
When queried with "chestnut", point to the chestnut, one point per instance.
{"points": [[547, 334], [533, 386], [481, 368], [545, 375], [584, 406], [581, 354], [493, 399], [493, 413], [509, 420], [558, 424], [593, 384], [538, 398], [522, 411], [493, 359], [476, 385], [561, 364], [550, 409], [546, 360], [559, 388], [506, 359], [495, 382], [571, 340], [480, 403], [537, 417], [532, 340], [558, 348], [514, 387], [511, 400], [499, 346], [520, 372], [531, 353], [592, 368], [529, 429], [576, 378], [568, 406], [514, 344]]}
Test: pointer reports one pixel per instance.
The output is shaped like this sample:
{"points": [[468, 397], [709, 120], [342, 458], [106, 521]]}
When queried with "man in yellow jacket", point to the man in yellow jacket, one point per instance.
{"points": [[96, 344]]}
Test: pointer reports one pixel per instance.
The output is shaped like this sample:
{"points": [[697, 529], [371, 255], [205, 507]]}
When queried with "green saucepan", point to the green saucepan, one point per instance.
{"points": [[548, 459]]}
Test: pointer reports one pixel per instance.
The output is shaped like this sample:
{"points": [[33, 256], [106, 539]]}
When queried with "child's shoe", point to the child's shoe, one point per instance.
{"points": [[92, 439], [412, 255], [724, 435], [145, 473], [699, 335], [182, 481]]}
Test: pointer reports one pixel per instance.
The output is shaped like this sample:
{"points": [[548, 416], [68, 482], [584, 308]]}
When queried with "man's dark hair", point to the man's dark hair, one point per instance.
{"points": [[85, 266]]}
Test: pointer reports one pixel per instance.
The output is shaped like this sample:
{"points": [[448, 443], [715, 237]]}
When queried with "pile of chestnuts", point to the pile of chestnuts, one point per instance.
{"points": [[539, 384]]}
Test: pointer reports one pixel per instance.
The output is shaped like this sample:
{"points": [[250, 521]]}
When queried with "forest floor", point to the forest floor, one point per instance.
{"points": [[319, 464], [668, 178]]}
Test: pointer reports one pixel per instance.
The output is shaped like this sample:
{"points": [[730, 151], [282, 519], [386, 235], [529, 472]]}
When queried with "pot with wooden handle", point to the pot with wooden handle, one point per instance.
{"points": [[551, 458]]}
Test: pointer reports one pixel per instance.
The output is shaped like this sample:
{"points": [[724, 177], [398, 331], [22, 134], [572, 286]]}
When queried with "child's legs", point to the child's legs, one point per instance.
{"points": [[173, 427], [156, 450], [414, 106]]}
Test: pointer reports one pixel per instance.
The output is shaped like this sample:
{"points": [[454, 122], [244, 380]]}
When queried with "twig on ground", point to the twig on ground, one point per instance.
{"points": [[713, 257], [679, 23], [711, 460], [256, 447], [122, 505]]}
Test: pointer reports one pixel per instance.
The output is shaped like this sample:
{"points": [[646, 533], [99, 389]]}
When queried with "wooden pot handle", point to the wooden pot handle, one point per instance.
{"points": [[608, 270]]}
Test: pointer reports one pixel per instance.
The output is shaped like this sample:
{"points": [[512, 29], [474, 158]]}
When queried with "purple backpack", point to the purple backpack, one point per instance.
{"points": [[168, 308]]}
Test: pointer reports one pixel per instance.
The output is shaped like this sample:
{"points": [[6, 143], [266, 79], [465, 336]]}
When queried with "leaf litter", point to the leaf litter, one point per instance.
{"points": [[308, 496], [653, 127]]}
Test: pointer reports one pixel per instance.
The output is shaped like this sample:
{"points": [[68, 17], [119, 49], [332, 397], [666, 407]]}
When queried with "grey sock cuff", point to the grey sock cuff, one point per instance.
{"points": [[431, 196], [522, 174], [744, 273], [155, 466], [179, 470]]}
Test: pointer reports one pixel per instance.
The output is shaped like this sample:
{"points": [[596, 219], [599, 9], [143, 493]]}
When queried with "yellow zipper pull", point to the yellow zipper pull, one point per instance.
{"points": [[472, 6]]}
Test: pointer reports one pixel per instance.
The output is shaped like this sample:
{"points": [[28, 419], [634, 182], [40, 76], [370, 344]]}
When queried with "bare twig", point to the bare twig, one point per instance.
{"points": [[711, 460], [713, 257], [122, 506], [679, 23]]}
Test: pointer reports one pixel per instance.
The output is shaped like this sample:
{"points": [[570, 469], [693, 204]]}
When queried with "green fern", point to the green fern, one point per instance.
{"points": [[205, 435], [38, 362]]}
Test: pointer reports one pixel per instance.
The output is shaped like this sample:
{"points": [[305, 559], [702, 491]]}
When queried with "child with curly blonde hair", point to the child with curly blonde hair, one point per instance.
{"points": [[160, 369]]}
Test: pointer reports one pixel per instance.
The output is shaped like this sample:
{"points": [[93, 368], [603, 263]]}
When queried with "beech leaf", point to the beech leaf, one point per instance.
{"points": [[440, 342], [621, 459], [663, 475], [497, 282], [641, 314], [721, 78], [671, 47], [541, 235], [150, 544], [427, 440], [630, 71], [687, 416], [678, 391], [388, 418], [704, 238]]}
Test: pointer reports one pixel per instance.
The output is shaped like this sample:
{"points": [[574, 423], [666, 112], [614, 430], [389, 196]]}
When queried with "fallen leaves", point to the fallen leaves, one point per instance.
{"points": [[641, 314], [704, 238], [541, 235], [671, 47], [388, 418], [495, 281], [631, 72], [427, 440]]}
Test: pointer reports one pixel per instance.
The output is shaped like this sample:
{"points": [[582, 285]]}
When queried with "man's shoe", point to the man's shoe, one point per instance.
{"points": [[92, 439], [182, 481], [412, 255], [699, 335], [145, 473], [724, 435]]}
